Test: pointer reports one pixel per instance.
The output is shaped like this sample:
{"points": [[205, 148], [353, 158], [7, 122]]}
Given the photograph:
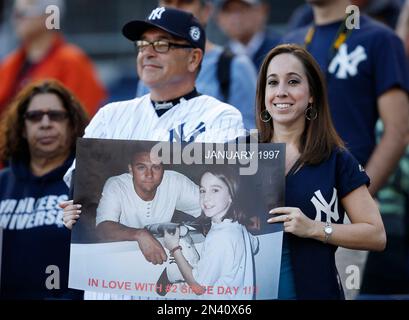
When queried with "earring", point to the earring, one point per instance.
{"points": [[311, 113], [265, 116]]}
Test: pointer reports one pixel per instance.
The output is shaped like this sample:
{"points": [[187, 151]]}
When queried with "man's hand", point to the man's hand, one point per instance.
{"points": [[151, 247]]}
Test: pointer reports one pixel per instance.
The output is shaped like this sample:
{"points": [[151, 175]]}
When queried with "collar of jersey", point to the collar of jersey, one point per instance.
{"points": [[163, 106]]}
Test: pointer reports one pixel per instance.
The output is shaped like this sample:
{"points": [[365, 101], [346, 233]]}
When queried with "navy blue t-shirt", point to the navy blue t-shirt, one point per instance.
{"points": [[34, 236], [317, 190], [369, 63]]}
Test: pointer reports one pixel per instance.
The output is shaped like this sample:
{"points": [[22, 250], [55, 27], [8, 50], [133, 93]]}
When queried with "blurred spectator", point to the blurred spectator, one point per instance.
{"points": [[1, 10], [38, 135], [44, 54], [302, 16], [386, 11], [245, 23], [227, 77], [402, 28], [387, 272], [7, 40], [367, 78]]}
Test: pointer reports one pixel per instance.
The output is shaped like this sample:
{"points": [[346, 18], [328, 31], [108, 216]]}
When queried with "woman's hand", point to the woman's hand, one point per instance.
{"points": [[71, 213], [295, 221], [171, 241]]}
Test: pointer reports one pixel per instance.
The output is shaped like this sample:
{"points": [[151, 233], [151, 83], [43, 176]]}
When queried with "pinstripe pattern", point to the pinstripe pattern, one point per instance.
{"points": [[204, 118], [137, 120]]}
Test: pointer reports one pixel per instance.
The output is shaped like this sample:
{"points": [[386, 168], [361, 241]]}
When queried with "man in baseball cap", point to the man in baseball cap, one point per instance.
{"points": [[178, 23], [170, 46], [225, 76]]}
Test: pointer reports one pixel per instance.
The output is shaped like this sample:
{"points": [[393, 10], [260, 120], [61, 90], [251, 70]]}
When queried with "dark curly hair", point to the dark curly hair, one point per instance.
{"points": [[13, 145]]}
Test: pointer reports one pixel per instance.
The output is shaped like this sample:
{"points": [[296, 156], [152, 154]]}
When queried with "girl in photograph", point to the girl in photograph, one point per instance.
{"points": [[226, 259]]}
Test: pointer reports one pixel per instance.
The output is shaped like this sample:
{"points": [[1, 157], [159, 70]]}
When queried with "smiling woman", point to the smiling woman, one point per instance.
{"points": [[323, 180], [37, 138]]}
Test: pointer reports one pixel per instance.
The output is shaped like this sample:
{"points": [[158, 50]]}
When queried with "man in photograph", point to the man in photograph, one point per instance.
{"points": [[146, 195]]}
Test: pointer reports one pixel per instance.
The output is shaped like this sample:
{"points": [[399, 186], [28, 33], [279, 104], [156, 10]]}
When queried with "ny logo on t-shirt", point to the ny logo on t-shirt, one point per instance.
{"points": [[347, 64], [321, 205]]}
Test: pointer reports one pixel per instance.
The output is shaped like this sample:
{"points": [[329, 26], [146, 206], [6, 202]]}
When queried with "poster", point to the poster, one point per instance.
{"points": [[216, 195]]}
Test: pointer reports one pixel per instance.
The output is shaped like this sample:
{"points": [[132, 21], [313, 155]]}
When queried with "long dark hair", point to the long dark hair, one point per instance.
{"points": [[13, 145], [319, 137], [231, 179]]}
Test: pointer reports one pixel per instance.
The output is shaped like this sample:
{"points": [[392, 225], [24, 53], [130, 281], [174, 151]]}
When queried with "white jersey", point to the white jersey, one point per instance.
{"points": [[200, 119], [120, 203], [226, 261]]}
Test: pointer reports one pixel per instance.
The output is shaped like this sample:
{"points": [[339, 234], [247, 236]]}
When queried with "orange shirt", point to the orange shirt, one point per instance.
{"points": [[64, 62]]}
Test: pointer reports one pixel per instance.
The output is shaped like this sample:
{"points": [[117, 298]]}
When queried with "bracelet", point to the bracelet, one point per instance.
{"points": [[174, 249]]}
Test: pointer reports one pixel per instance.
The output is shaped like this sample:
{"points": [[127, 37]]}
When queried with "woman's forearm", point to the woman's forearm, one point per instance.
{"points": [[186, 270]]}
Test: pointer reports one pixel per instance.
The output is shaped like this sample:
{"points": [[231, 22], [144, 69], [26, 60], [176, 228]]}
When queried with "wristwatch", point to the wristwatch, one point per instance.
{"points": [[327, 230]]}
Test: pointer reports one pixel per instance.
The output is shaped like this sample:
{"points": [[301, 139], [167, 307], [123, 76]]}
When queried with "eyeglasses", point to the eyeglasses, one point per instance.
{"points": [[160, 46], [53, 115]]}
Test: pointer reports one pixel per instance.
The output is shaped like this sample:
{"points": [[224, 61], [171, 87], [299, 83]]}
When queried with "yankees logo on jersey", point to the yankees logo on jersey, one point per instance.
{"points": [[330, 209], [178, 134]]}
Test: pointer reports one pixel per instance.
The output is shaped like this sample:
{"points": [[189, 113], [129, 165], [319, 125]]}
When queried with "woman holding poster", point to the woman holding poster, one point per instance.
{"points": [[225, 269], [323, 180]]}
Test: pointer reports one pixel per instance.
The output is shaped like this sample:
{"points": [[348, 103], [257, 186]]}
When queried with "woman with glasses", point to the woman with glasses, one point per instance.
{"points": [[37, 138]]}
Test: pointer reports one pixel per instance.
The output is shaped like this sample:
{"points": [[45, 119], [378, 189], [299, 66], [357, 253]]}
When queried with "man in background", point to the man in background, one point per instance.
{"points": [[44, 54], [245, 23]]}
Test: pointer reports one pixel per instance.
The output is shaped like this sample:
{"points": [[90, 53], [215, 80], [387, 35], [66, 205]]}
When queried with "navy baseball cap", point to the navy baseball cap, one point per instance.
{"points": [[178, 23]]}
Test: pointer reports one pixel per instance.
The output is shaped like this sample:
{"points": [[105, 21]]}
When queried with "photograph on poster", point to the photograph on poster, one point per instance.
{"points": [[171, 221]]}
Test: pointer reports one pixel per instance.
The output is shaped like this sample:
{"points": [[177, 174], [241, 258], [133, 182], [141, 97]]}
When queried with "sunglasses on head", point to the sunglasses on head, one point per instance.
{"points": [[53, 115]]}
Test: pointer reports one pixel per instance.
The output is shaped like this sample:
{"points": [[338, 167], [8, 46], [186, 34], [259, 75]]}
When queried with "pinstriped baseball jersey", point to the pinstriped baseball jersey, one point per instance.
{"points": [[200, 119]]}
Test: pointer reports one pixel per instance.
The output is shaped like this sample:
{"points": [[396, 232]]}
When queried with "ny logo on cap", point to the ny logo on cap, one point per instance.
{"points": [[194, 33], [156, 13]]}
